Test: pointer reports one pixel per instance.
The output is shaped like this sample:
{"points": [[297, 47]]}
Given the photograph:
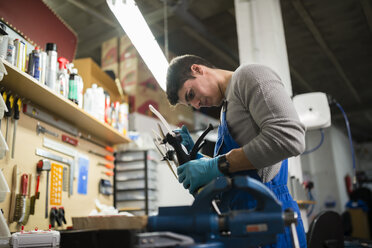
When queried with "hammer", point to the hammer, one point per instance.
{"points": [[45, 165]]}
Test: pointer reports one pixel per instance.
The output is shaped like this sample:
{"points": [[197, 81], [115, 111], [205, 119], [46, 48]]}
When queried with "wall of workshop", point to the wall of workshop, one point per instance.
{"points": [[26, 142], [327, 167]]}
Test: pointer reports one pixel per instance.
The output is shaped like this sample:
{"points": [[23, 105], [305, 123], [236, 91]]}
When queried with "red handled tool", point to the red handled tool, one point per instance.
{"points": [[107, 148], [107, 157], [107, 165], [108, 173]]}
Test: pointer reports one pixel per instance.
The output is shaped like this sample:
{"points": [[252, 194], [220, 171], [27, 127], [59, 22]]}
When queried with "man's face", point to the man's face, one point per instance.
{"points": [[201, 91]]}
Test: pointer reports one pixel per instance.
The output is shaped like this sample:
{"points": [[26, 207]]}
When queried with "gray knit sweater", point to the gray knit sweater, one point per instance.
{"points": [[262, 119]]}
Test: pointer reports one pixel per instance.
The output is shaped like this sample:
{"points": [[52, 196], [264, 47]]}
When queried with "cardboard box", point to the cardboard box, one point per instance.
{"points": [[109, 56], [111, 222], [93, 74], [139, 84]]}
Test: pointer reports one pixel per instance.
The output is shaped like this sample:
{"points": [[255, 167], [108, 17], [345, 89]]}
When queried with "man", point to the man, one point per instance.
{"points": [[259, 129]]}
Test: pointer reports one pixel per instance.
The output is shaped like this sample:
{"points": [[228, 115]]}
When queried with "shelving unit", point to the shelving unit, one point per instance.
{"points": [[29, 88], [135, 182]]}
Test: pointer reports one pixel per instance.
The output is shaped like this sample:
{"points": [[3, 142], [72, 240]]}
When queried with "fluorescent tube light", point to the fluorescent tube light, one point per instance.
{"points": [[135, 26]]}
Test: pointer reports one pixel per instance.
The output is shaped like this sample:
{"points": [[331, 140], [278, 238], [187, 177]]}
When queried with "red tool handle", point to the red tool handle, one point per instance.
{"points": [[109, 166], [109, 158], [24, 182], [37, 184], [109, 173], [109, 149]]}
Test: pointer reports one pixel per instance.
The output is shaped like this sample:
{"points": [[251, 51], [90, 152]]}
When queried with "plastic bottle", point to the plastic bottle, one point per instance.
{"points": [[51, 66], [79, 88], [94, 103], [88, 101], [72, 87], [10, 52], [62, 77], [107, 108], [101, 104], [3, 41], [43, 62]]}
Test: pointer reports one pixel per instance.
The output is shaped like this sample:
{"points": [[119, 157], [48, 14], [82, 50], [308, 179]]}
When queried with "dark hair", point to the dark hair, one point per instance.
{"points": [[179, 71]]}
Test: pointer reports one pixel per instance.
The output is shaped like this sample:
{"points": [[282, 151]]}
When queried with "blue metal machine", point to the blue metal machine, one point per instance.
{"points": [[207, 227]]}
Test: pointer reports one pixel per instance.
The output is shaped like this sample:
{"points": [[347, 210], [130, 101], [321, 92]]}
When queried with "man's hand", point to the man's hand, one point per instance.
{"points": [[186, 138], [197, 173]]}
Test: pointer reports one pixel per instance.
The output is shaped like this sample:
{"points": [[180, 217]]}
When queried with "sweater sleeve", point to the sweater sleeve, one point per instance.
{"points": [[281, 134]]}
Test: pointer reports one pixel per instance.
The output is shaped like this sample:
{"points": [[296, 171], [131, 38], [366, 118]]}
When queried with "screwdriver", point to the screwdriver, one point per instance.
{"points": [[9, 104], [107, 148], [108, 173], [107, 165], [107, 157], [17, 107]]}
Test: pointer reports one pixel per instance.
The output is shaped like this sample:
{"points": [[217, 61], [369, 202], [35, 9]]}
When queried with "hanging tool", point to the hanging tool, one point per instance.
{"points": [[40, 129], [107, 157], [41, 115], [13, 195], [27, 209], [61, 215], [233, 228], [45, 165], [2, 105], [107, 165], [17, 108], [52, 156], [54, 217], [88, 138], [57, 215], [20, 209], [9, 104], [37, 193], [108, 173], [69, 151]]}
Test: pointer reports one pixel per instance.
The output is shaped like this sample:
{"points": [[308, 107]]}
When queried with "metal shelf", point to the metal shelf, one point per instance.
{"points": [[27, 87]]}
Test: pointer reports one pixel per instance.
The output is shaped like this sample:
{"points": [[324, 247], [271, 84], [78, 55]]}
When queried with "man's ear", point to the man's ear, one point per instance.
{"points": [[196, 69]]}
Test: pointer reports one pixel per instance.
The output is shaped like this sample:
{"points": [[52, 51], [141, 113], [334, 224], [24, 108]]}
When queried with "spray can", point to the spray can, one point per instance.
{"points": [[10, 52], [43, 60], [51, 66], [63, 77], [34, 63]]}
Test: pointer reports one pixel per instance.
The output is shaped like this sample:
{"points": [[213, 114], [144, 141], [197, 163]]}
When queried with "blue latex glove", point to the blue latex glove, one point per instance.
{"points": [[186, 138], [197, 173]]}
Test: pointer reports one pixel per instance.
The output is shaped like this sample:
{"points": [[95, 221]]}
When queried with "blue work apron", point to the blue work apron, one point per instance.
{"points": [[239, 199]]}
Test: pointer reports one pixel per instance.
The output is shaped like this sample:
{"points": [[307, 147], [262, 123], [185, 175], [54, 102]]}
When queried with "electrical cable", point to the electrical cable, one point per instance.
{"points": [[311, 198], [318, 146], [333, 101]]}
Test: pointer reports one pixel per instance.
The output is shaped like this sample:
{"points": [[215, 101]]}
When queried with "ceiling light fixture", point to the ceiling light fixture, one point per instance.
{"points": [[135, 26]]}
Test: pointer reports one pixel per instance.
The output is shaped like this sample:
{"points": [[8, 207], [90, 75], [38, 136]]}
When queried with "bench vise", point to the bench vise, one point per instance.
{"points": [[235, 228]]}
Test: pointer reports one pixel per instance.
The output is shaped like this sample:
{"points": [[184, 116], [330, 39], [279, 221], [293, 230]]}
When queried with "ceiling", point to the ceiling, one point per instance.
{"points": [[329, 43]]}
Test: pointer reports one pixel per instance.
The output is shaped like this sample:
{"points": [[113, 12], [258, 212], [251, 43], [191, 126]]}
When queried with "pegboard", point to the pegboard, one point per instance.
{"points": [[25, 158]]}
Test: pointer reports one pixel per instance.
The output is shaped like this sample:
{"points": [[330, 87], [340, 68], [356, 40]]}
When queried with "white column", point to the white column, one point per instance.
{"points": [[261, 40], [261, 36]]}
